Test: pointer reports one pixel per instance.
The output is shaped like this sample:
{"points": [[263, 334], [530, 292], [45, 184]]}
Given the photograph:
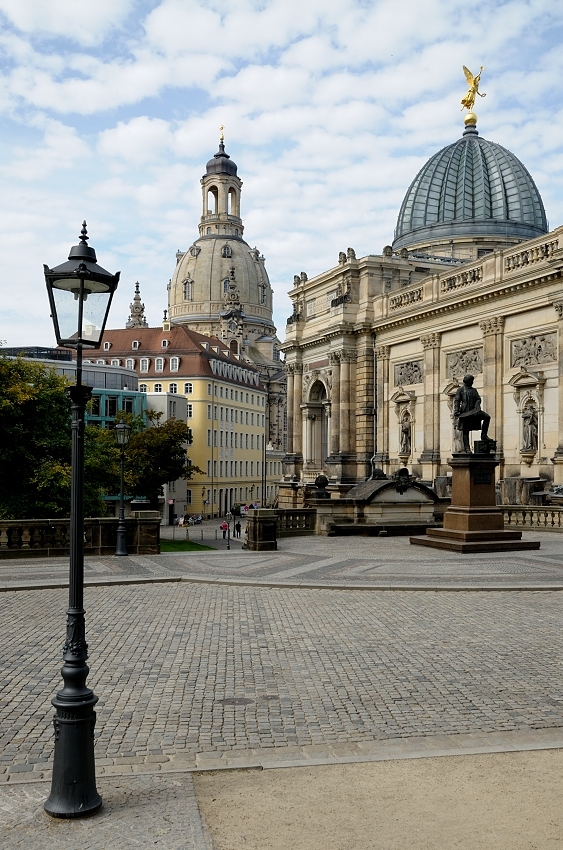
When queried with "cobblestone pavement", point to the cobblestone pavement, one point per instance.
{"points": [[195, 674], [141, 811], [310, 561]]}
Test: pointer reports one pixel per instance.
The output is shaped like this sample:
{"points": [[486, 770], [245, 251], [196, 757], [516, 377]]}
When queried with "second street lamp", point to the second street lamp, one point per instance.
{"points": [[80, 294], [122, 432]]}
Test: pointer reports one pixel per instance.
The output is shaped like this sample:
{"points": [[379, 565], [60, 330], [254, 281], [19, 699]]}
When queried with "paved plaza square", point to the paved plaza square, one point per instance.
{"points": [[325, 652]]}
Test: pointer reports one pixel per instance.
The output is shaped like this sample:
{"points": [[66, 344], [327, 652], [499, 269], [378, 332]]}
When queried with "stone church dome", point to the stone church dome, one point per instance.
{"points": [[472, 191]]}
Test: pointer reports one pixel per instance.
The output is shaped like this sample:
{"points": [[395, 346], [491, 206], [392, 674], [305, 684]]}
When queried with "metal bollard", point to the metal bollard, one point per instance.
{"points": [[215, 534], [202, 533]]}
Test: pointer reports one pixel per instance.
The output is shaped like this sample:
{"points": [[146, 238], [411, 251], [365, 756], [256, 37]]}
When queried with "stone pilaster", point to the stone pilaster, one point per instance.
{"points": [[493, 372], [335, 405], [382, 386], [430, 457], [558, 457], [344, 402], [290, 369], [363, 411], [297, 414]]}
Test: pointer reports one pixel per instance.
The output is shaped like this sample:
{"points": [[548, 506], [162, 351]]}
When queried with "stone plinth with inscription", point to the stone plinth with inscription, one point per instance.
{"points": [[474, 522]]}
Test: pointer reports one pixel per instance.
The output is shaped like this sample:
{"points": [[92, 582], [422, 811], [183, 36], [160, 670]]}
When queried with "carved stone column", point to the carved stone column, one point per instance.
{"points": [[334, 447], [382, 385], [558, 457], [297, 413], [430, 457], [493, 371], [290, 368], [363, 407]]}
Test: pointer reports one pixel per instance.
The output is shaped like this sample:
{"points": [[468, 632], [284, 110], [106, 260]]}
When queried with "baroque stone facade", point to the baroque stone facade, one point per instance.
{"points": [[423, 319]]}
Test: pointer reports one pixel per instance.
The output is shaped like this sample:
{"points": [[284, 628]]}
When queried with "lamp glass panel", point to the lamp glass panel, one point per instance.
{"points": [[94, 308]]}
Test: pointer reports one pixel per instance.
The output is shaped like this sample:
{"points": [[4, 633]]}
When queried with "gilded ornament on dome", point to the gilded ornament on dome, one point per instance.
{"points": [[468, 102]]}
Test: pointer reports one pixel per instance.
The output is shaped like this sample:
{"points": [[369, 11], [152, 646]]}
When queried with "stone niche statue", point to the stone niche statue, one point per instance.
{"points": [[405, 437], [470, 417], [529, 429]]}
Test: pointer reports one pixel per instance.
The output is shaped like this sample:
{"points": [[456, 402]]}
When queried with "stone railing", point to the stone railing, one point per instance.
{"points": [[50, 538], [405, 299], [458, 281], [523, 516], [535, 254], [296, 522]]}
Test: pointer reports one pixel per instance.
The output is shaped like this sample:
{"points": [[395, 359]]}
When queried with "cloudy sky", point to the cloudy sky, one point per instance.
{"points": [[110, 110]]}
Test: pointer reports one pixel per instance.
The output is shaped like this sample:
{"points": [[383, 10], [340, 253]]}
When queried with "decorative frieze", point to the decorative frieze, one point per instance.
{"points": [[382, 352], [467, 361], [407, 373], [458, 281], [523, 258], [405, 299], [533, 350], [492, 326]]}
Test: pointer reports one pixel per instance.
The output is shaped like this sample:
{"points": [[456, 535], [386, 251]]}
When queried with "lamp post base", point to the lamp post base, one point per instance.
{"points": [[73, 785]]}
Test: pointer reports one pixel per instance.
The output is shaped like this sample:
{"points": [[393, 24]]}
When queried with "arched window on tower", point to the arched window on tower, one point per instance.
{"points": [[233, 202], [226, 285], [233, 346], [187, 287], [212, 200], [226, 251]]}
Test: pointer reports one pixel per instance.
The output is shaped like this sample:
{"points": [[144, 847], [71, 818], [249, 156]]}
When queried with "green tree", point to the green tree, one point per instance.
{"points": [[34, 440], [157, 454]]}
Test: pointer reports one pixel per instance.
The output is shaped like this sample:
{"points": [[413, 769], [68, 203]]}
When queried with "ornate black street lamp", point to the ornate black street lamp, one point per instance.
{"points": [[122, 432], [80, 294]]}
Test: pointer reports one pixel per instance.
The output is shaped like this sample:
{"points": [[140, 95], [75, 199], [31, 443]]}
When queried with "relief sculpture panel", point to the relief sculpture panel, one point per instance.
{"points": [[533, 350], [408, 373], [467, 361]]}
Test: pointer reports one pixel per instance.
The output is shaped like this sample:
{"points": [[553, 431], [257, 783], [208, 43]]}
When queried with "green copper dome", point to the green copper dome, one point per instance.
{"points": [[471, 189]]}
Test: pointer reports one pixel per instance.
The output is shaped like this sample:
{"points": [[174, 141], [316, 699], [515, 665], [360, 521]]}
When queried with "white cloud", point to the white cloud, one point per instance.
{"points": [[86, 23]]}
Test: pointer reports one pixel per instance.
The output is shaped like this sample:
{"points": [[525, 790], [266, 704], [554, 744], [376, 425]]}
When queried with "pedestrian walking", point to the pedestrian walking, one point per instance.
{"points": [[223, 528], [237, 528]]}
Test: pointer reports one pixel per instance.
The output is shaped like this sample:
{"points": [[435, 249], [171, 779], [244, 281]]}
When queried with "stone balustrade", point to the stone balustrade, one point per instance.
{"points": [[461, 279], [296, 522], [547, 518], [50, 538], [405, 299]]}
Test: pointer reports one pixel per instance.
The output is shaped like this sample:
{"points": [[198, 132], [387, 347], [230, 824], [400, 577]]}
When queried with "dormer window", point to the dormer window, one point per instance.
{"points": [[135, 344], [159, 364], [107, 346], [144, 364], [115, 363], [165, 343]]}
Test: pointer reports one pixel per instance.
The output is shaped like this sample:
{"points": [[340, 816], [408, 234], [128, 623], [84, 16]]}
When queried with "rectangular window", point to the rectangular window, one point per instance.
{"points": [[190, 410], [143, 388], [129, 364], [221, 439], [208, 389], [174, 364], [188, 497], [246, 467], [263, 423], [111, 406], [222, 414], [232, 414], [128, 405], [231, 395], [246, 441], [95, 406], [159, 364], [236, 440], [231, 469], [171, 408], [221, 391], [252, 419], [236, 473], [257, 467], [157, 388], [220, 469], [209, 436], [172, 388], [215, 468], [252, 398], [236, 416], [209, 469], [188, 388], [214, 438], [214, 411], [209, 411], [246, 418], [252, 441], [236, 395], [232, 439], [215, 390], [144, 364]]}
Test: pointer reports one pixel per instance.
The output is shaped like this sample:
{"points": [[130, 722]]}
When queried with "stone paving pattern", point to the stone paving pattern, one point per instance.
{"points": [[141, 811], [303, 668]]}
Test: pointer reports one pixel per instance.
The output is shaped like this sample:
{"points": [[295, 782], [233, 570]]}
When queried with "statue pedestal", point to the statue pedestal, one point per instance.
{"points": [[474, 522]]}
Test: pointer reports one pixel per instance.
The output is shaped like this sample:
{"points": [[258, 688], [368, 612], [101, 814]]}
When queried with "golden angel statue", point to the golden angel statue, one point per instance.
{"points": [[468, 101]]}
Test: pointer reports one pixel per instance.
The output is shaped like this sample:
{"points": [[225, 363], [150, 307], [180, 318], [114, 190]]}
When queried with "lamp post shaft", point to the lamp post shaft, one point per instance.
{"points": [[73, 786], [121, 546]]}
